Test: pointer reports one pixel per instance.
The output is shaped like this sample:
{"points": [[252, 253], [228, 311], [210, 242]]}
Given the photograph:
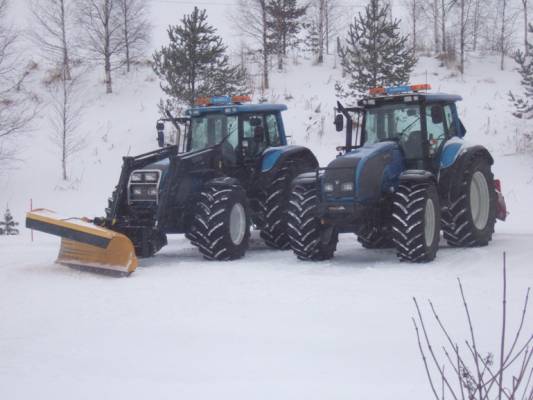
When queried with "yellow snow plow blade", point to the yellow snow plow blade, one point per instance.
{"points": [[84, 244]]}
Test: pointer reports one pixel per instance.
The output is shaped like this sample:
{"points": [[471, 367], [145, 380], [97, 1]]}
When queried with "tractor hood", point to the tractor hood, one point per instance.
{"points": [[364, 174]]}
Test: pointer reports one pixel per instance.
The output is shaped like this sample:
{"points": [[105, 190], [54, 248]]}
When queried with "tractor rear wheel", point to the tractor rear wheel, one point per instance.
{"points": [[220, 227], [372, 237], [309, 239], [470, 218], [416, 221], [274, 205]]}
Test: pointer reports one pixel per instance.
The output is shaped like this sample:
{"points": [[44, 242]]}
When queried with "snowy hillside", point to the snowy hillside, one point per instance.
{"points": [[263, 327]]}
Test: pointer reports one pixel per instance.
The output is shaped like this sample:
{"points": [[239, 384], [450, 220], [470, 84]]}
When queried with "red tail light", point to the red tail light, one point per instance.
{"points": [[497, 185]]}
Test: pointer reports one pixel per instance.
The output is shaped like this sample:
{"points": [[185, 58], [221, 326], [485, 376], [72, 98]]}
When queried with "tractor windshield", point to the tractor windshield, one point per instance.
{"points": [[398, 122], [209, 130]]}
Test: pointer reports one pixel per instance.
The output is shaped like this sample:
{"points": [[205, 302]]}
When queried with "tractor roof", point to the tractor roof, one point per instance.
{"points": [[236, 109], [231, 105], [408, 93]]}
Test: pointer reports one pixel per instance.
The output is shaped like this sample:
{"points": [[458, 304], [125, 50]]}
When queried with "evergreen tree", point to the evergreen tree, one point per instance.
{"points": [[284, 25], [312, 38], [524, 108], [195, 63], [8, 225], [375, 54]]}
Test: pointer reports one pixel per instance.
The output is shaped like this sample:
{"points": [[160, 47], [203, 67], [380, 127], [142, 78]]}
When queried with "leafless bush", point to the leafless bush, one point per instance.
{"points": [[503, 374]]}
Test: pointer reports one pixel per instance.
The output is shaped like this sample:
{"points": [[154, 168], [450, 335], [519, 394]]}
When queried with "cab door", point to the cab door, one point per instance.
{"points": [[440, 127]]}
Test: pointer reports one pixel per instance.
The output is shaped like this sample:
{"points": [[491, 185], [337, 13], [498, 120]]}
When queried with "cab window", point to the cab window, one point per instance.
{"points": [[273, 132], [449, 121], [254, 134], [436, 127], [396, 122], [209, 130]]}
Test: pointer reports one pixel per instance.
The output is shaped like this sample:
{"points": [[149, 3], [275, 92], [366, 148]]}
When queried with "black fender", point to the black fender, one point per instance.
{"points": [[223, 181], [275, 157], [306, 179], [417, 176], [448, 177]]}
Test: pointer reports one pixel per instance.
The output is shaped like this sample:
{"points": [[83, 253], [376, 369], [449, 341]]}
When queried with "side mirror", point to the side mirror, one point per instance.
{"points": [[160, 126], [339, 123], [437, 115]]}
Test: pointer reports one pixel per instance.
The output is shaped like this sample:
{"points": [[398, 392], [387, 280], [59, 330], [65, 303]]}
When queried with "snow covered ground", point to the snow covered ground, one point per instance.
{"points": [[264, 327]]}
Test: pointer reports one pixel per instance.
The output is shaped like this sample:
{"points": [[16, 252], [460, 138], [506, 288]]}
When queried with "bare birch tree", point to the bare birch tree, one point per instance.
{"points": [[476, 23], [525, 5], [103, 38], [414, 10], [135, 29], [17, 107], [446, 7], [252, 21], [64, 120], [503, 34], [464, 22], [432, 11], [336, 21], [53, 32]]}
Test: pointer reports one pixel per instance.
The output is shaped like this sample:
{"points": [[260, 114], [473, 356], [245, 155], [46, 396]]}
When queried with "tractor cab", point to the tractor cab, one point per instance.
{"points": [[244, 131], [419, 122]]}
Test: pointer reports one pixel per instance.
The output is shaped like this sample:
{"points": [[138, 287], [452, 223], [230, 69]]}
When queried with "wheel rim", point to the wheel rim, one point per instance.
{"points": [[237, 223], [479, 200], [429, 223]]}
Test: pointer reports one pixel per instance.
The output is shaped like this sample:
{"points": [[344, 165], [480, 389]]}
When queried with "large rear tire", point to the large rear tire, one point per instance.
{"points": [[220, 227], [309, 239], [469, 220], [274, 204], [416, 221]]}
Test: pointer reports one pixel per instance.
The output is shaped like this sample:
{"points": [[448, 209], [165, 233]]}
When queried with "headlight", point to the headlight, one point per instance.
{"points": [[347, 187], [151, 176], [137, 191], [152, 191], [136, 177], [328, 187]]}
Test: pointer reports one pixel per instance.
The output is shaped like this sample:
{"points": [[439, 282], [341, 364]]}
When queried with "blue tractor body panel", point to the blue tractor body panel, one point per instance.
{"points": [[451, 151], [374, 169], [271, 157]]}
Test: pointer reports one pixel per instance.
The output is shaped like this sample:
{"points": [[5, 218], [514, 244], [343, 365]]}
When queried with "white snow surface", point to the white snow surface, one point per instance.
{"points": [[264, 327]]}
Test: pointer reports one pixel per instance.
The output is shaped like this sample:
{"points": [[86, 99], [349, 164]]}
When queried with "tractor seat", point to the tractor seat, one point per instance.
{"points": [[412, 145], [228, 153]]}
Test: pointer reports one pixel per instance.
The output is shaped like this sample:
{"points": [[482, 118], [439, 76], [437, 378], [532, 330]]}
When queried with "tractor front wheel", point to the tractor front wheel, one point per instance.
{"points": [[416, 221], [309, 239], [221, 225], [469, 220]]}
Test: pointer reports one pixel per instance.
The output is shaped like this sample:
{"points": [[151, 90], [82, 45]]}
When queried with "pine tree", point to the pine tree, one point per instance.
{"points": [[375, 53], [312, 38], [8, 225], [195, 63], [284, 25], [524, 108]]}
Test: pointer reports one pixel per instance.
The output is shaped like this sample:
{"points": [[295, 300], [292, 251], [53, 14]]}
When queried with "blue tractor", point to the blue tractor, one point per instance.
{"points": [[230, 168], [403, 177]]}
